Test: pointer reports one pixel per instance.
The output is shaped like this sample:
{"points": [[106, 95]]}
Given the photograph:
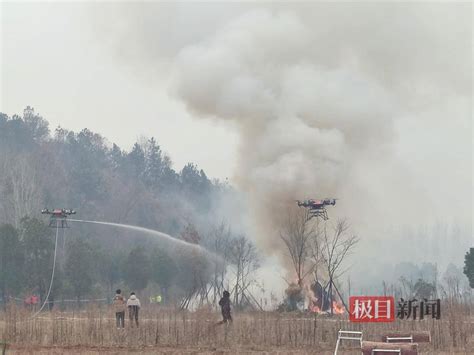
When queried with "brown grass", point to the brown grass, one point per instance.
{"points": [[170, 331]]}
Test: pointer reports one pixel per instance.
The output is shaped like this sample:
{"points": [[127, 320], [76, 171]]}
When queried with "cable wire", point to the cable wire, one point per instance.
{"points": [[52, 273]]}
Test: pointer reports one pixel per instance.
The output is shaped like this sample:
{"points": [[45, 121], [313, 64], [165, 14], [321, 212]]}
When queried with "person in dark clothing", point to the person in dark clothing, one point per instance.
{"points": [[133, 305], [225, 308], [119, 305]]}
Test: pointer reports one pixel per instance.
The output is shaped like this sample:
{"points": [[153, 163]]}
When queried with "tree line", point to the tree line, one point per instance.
{"points": [[82, 170], [86, 269]]}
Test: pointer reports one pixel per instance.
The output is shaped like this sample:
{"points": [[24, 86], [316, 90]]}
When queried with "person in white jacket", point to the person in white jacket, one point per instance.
{"points": [[133, 304]]}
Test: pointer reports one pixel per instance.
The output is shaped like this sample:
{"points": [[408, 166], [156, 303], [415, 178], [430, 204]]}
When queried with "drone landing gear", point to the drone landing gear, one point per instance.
{"points": [[58, 223], [323, 214]]}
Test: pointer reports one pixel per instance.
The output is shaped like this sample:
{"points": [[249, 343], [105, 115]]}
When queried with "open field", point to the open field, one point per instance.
{"points": [[93, 331]]}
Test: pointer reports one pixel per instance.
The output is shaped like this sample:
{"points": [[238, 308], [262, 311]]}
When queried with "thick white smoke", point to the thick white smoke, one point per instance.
{"points": [[317, 96], [366, 102]]}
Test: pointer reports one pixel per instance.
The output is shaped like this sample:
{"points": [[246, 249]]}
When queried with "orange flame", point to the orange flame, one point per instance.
{"points": [[305, 288], [337, 307]]}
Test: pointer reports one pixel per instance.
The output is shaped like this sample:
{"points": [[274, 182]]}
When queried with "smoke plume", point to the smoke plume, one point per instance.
{"points": [[317, 93], [366, 102]]}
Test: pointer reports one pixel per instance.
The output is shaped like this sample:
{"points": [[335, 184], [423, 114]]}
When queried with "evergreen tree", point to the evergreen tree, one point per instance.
{"points": [[137, 269], [424, 289], [153, 164], [36, 125], [111, 268], [38, 241], [163, 270], [79, 268], [116, 157], [469, 266], [136, 161], [196, 185], [11, 261]]}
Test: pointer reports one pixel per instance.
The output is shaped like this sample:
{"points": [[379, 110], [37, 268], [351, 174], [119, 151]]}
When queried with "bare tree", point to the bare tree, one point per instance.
{"points": [[246, 260], [336, 246], [454, 284], [197, 269], [298, 233], [218, 241], [407, 286]]}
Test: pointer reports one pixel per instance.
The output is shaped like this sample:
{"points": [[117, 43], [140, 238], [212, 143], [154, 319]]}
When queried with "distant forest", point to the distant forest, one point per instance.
{"points": [[85, 172], [42, 167]]}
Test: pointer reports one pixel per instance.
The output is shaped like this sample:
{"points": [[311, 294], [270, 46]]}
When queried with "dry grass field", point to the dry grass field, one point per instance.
{"points": [[165, 331]]}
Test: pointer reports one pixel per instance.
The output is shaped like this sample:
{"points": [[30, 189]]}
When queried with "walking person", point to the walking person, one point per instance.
{"points": [[225, 308], [119, 307], [133, 305]]}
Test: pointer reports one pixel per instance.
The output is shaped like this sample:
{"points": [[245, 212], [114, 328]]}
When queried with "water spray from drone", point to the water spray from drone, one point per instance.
{"points": [[161, 235], [59, 219]]}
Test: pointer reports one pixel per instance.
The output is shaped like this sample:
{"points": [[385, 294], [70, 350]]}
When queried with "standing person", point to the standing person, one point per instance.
{"points": [[133, 305], [225, 308], [119, 307]]}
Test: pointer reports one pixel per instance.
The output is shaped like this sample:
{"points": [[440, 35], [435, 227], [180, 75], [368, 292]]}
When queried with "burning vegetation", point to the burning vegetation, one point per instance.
{"points": [[316, 251], [311, 298]]}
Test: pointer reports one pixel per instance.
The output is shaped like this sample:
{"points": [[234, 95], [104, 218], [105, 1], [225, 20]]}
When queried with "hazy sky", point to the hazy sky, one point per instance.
{"points": [[106, 66], [54, 60]]}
